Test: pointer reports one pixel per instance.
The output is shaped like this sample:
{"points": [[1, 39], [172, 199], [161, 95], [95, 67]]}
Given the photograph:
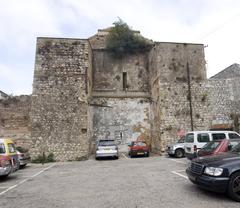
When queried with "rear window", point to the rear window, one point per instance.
{"points": [[106, 143], [218, 136], [11, 148], [189, 138], [2, 148], [232, 144], [233, 136], [236, 149], [203, 137]]}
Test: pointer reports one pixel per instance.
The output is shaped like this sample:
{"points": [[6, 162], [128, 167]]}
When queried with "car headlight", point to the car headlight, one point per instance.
{"points": [[213, 171]]}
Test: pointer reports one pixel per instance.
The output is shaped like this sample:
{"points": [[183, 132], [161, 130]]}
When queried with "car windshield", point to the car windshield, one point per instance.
{"points": [[181, 140], [236, 149], [106, 143], [209, 147], [142, 144]]}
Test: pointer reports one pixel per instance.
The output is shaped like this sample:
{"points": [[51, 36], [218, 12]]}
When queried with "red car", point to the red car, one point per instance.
{"points": [[218, 146], [138, 148]]}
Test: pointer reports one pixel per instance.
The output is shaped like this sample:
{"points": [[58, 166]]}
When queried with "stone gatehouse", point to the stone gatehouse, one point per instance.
{"points": [[81, 94]]}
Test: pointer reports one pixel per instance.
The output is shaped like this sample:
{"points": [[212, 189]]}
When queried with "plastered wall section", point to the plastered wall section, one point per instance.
{"points": [[59, 113], [124, 120]]}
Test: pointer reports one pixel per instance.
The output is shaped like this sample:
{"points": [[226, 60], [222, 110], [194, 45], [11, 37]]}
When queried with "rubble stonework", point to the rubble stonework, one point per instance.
{"points": [[15, 119], [59, 113]]}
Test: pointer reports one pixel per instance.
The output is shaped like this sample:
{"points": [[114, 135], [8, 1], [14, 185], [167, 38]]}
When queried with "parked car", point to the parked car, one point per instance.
{"points": [[177, 149], [195, 140], [137, 148], [7, 148], [23, 156], [6, 167], [106, 148], [216, 147], [219, 173]]}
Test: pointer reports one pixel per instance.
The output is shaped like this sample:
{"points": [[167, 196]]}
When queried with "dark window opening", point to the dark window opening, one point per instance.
{"points": [[84, 131], [124, 80], [218, 136]]}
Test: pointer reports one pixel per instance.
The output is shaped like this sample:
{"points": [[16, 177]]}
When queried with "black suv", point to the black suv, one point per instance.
{"points": [[220, 173]]}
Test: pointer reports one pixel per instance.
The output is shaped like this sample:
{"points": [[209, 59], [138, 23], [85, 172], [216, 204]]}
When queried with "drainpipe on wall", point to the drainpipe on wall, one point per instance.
{"points": [[189, 96]]}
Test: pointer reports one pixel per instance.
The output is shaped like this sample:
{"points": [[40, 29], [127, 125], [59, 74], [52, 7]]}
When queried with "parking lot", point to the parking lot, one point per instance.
{"points": [[157, 181]]}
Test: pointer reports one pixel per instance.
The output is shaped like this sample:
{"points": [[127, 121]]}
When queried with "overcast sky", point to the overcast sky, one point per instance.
{"points": [[215, 23]]}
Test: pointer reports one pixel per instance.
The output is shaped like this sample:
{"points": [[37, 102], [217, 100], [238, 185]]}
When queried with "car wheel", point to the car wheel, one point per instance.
{"points": [[234, 187], [116, 157], [147, 155], [179, 153]]}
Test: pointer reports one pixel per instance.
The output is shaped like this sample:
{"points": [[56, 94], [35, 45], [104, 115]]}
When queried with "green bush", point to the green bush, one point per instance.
{"points": [[122, 40], [44, 159], [22, 149]]}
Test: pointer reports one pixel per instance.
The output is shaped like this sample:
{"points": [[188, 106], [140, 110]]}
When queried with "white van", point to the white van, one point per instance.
{"points": [[195, 140]]}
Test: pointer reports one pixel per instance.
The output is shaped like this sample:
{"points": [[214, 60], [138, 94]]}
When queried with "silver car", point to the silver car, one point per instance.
{"points": [[23, 156], [177, 149], [106, 148]]}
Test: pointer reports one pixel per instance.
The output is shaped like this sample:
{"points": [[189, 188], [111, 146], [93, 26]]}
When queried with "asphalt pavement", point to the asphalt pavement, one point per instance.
{"points": [[157, 181]]}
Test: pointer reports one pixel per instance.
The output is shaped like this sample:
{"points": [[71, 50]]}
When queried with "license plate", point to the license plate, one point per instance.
{"points": [[140, 153], [106, 149]]}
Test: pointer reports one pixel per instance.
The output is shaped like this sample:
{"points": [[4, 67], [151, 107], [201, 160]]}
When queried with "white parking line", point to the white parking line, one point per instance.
{"points": [[124, 156], [178, 161], [25, 180], [179, 174]]}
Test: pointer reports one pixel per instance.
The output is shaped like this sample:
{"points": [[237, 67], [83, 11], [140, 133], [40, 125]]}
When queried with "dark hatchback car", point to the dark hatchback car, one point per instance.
{"points": [[219, 173]]}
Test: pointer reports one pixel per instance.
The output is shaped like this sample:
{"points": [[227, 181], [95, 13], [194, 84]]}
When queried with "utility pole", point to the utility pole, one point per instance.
{"points": [[189, 95]]}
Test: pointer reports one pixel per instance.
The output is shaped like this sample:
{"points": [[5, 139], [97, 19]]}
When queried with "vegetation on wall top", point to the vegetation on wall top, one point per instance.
{"points": [[122, 40]]}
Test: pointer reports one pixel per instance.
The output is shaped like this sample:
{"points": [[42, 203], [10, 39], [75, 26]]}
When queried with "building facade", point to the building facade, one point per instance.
{"points": [[81, 94]]}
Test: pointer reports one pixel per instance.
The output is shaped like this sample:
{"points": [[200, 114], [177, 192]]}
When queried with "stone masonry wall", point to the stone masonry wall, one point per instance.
{"points": [[170, 110], [59, 113], [213, 106], [15, 119], [80, 95]]}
